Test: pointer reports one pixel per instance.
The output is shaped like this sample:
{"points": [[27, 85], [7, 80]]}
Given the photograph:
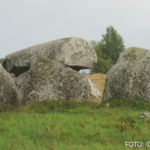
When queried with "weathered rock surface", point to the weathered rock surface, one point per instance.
{"points": [[145, 115], [48, 79], [94, 91], [8, 91], [20, 81], [129, 78], [73, 52]]}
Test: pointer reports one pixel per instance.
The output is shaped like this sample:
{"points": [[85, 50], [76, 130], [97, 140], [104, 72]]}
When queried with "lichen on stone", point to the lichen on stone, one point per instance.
{"points": [[129, 77]]}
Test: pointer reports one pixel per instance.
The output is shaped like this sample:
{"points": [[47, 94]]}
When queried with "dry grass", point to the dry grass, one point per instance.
{"points": [[99, 81]]}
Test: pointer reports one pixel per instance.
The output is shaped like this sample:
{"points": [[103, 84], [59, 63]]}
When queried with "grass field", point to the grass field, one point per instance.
{"points": [[62, 125]]}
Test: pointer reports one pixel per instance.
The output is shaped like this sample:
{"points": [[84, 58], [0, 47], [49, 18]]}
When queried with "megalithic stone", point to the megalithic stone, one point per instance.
{"points": [[8, 91], [129, 78], [48, 79], [73, 52]]}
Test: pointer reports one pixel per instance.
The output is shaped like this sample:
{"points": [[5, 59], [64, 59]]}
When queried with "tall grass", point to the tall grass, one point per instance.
{"points": [[70, 125]]}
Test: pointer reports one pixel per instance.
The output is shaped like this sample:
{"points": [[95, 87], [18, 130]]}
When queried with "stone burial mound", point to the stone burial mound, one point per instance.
{"points": [[50, 71], [129, 78]]}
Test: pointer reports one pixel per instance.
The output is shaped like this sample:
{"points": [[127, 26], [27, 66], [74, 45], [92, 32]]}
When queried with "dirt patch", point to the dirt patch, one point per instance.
{"points": [[99, 81]]}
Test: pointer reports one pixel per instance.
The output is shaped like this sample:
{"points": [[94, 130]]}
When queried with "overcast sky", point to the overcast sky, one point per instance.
{"points": [[25, 23]]}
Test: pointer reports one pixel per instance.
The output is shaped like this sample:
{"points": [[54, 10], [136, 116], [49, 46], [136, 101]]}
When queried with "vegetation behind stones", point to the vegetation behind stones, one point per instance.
{"points": [[1, 60], [108, 50]]}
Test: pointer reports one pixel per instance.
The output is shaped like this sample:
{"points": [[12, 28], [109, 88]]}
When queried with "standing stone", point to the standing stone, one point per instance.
{"points": [[129, 78], [8, 91]]}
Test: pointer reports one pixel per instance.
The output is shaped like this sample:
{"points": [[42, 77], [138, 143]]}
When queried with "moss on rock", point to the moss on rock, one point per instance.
{"points": [[129, 77]]}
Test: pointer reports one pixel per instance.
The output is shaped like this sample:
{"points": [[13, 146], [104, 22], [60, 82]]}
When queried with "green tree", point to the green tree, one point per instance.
{"points": [[102, 66], [1, 60], [112, 44], [98, 46], [108, 50]]}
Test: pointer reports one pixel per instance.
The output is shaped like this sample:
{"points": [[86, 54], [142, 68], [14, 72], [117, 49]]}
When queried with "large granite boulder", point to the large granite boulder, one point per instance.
{"points": [[8, 91], [73, 52], [48, 79], [129, 78]]}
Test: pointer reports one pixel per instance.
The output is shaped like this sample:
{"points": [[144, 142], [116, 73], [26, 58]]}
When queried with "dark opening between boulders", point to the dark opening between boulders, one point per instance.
{"points": [[77, 68], [4, 64], [19, 70]]}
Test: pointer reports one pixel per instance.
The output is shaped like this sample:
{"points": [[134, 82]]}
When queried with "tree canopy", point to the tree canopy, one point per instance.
{"points": [[108, 50], [1, 60]]}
